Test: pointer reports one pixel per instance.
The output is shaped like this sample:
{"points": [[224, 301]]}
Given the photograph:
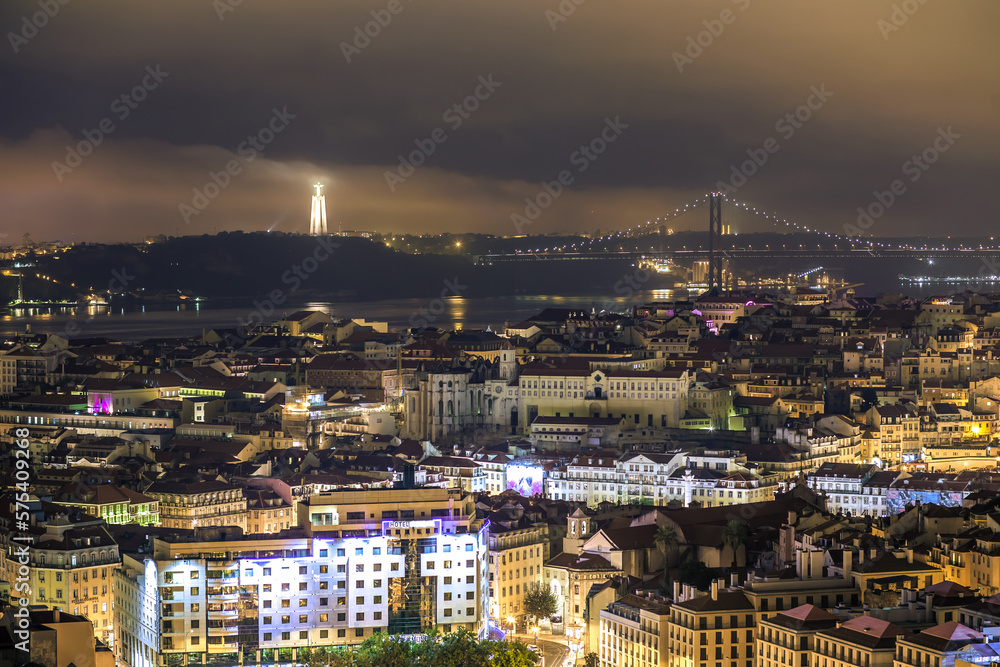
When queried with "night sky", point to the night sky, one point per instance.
{"points": [[885, 80]]}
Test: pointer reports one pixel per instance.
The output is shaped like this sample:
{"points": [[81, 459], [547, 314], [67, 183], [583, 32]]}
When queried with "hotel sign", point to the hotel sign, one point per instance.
{"points": [[406, 525]]}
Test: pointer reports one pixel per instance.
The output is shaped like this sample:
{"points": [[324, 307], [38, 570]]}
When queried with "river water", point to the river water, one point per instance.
{"points": [[138, 323], [190, 319]]}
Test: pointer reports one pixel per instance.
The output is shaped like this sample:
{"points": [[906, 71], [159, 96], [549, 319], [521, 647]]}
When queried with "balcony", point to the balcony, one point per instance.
{"points": [[224, 630]]}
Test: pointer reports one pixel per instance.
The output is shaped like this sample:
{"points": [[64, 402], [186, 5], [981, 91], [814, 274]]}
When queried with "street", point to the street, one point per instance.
{"points": [[552, 651]]}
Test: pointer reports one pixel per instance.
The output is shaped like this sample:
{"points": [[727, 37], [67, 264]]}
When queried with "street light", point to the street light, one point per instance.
{"points": [[535, 630]]}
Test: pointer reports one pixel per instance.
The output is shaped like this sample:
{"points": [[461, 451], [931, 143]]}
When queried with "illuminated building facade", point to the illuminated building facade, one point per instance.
{"points": [[516, 559], [640, 397], [634, 631], [71, 561], [397, 561], [199, 504]]}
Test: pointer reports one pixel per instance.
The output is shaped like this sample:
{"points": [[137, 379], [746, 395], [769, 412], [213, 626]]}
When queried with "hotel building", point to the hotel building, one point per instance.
{"points": [[397, 561]]}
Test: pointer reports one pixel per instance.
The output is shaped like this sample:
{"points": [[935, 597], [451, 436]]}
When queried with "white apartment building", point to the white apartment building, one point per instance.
{"points": [[397, 561], [709, 477]]}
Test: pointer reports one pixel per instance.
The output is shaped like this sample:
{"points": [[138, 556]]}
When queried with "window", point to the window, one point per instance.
{"points": [[285, 587], [285, 636], [303, 618], [360, 616], [303, 569], [303, 586], [323, 618], [267, 588], [267, 620], [267, 572], [341, 632], [267, 636]]}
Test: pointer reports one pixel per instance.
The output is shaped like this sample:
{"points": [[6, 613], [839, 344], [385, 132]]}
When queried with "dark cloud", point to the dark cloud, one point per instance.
{"points": [[892, 91]]}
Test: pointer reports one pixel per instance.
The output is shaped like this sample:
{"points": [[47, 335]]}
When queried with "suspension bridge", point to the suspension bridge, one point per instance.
{"points": [[736, 230]]}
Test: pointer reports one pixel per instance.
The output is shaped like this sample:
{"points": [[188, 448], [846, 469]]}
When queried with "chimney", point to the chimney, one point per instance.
{"points": [[816, 564], [930, 608], [55, 615], [734, 580], [909, 555], [715, 589], [848, 564], [677, 592], [800, 564]]}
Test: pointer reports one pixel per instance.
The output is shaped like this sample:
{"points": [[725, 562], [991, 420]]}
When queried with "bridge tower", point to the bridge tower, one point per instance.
{"points": [[714, 236]]}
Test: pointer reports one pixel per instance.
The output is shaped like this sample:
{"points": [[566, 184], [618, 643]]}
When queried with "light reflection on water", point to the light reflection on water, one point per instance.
{"points": [[458, 311], [189, 319]]}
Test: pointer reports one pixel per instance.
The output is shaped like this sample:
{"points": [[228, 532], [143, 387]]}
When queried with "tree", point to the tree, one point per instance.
{"points": [[695, 573], [735, 535], [869, 399], [539, 602], [386, 651], [666, 541], [592, 660]]}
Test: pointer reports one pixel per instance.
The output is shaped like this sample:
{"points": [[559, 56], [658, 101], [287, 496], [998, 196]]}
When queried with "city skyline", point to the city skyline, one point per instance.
{"points": [[829, 105]]}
